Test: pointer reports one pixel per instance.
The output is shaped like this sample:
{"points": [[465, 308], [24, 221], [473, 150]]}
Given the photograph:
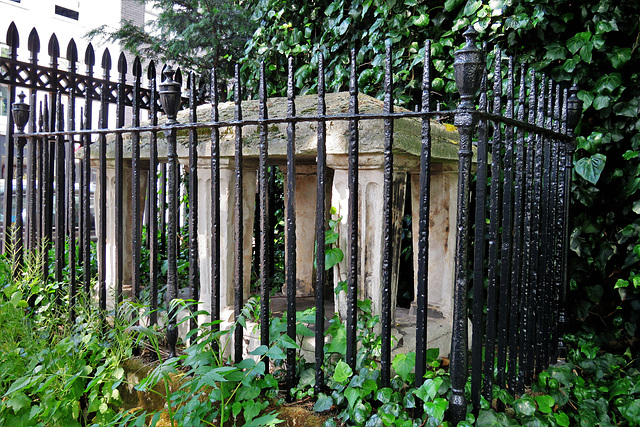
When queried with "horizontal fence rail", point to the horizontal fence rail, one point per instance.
{"points": [[511, 230]]}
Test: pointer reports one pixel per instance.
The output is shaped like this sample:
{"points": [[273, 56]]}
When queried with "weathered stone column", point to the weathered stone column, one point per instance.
{"points": [[442, 238], [305, 209], [127, 217], [370, 196], [227, 238]]}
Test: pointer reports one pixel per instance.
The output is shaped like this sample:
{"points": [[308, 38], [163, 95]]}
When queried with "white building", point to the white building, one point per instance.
{"points": [[67, 19]]}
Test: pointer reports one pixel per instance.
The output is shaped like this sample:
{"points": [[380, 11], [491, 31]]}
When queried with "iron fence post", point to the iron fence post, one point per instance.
{"points": [[20, 112], [170, 98], [468, 66]]}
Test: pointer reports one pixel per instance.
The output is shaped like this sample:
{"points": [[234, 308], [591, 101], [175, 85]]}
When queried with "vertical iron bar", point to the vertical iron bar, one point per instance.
{"points": [[71, 204], [239, 220], [47, 192], [567, 150], [526, 291], [152, 232], [194, 271], [517, 308], [163, 206], [9, 152], [119, 166], [320, 226], [507, 234], [33, 214], [545, 218], [494, 237], [102, 202], [385, 313], [535, 232], [215, 209], [60, 193], [352, 275], [479, 251], [265, 286], [86, 188], [423, 222], [290, 220], [136, 237], [557, 217]]}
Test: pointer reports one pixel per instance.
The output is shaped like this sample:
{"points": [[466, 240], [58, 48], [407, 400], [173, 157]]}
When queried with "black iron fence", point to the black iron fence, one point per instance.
{"points": [[511, 247]]}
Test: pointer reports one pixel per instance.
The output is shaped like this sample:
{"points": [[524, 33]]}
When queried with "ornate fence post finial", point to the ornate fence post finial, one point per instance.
{"points": [[20, 113], [170, 95], [468, 66]]}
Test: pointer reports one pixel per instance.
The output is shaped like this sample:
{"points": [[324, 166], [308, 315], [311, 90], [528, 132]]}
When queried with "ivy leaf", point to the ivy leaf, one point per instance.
{"points": [[601, 101], [428, 389], [619, 56], [403, 364], [545, 403], [608, 82], [324, 403], [591, 167], [586, 98], [562, 419], [451, 5], [342, 373], [525, 406]]}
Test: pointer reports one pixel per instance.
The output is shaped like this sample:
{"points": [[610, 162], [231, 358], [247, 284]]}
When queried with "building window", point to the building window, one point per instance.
{"points": [[67, 13]]}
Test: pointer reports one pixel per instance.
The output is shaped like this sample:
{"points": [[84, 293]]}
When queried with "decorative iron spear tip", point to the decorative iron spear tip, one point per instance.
{"points": [[574, 110], [170, 94], [20, 113], [468, 66]]}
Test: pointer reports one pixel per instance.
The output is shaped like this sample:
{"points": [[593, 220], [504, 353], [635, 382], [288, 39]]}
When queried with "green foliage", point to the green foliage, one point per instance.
{"points": [[52, 371], [197, 34]]}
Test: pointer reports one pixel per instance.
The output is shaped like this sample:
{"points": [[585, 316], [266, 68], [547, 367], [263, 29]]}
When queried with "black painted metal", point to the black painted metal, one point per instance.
{"points": [[32, 225], [321, 215], [153, 196], [215, 210], [352, 218], [85, 187], [119, 183], [423, 222], [47, 193], [194, 270], [60, 193], [263, 197], [290, 235], [468, 66], [20, 115], [479, 240], [385, 312], [494, 236], [70, 232], [516, 306], [239, 219], [13, 41], [136, 238], [170, 98], [101, 203]]}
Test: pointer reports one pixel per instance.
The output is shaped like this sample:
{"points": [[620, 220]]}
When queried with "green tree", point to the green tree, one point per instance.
{"points": [[197, 34]]}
